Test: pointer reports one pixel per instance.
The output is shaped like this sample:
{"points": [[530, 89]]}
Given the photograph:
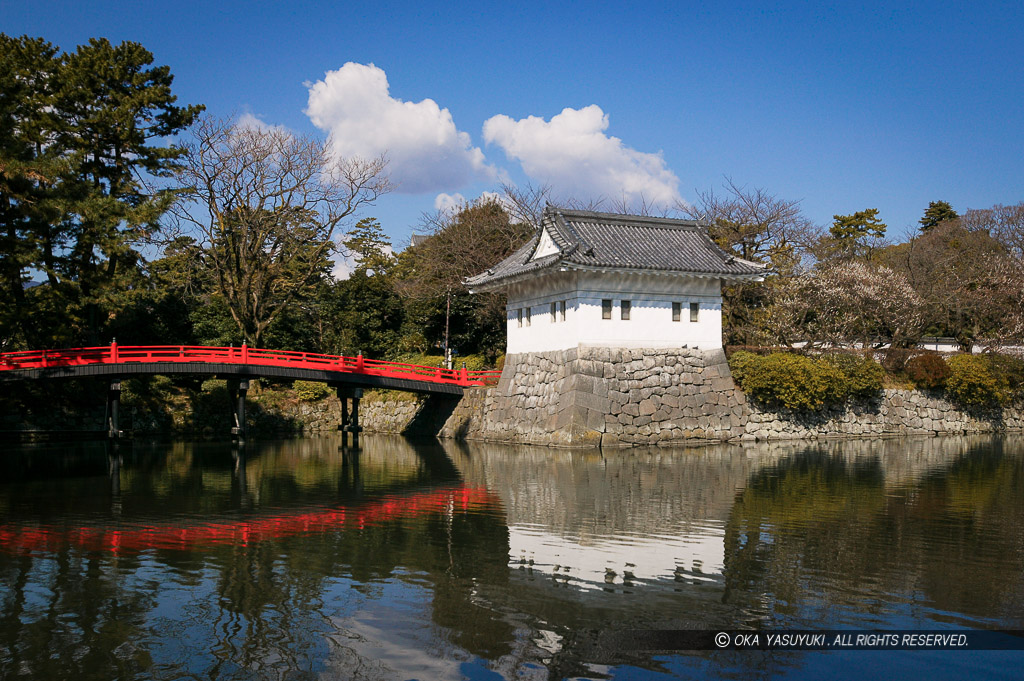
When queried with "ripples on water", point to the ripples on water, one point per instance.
{"points": [[442, 561]]}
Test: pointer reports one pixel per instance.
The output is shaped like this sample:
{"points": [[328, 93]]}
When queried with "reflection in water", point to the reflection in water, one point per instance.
{"points": [[294, 559]]}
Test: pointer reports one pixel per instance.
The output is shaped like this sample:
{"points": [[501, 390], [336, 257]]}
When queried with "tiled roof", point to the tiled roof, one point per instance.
{"points": [[621, 242]]}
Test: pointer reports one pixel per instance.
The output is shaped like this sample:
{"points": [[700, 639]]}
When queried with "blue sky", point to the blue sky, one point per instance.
{"points": [[842, 105]]}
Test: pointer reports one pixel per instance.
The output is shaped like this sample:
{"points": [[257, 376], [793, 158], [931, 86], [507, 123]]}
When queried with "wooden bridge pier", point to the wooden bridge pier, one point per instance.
{"points": [[349, 419], [113, 410], [238, 388]]}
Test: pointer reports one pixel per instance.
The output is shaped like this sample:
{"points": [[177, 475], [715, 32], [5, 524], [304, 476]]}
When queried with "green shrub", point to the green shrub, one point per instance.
{"points": [[211, 384], [310, 391], [928, 370], [739, 362], [794, 381], [972, 383], [1009, 371], [863, 374]]}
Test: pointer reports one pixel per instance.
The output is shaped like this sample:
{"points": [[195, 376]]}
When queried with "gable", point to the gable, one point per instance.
{"points": [[545, 246]]}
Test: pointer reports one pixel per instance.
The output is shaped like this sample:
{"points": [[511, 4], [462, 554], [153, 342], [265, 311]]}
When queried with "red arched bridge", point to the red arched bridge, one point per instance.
{"points": [[349, 375]]}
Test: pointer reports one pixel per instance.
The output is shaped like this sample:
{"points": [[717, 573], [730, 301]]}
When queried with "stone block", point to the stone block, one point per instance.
{"points": [[716, 356], [613, 441], [721, 384], [594, 402], [647, 408], [582, 383]]}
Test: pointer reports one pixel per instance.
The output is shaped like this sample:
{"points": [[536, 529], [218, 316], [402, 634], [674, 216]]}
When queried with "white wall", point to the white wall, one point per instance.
{"points": [[650, 323]]}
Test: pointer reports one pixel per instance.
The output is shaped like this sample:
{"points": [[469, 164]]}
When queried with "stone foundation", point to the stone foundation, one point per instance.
{"points": [[611, 397], [594, 396]]}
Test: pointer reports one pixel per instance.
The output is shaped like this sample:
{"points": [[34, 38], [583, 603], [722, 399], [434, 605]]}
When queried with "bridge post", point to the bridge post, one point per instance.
{"points": [[113, 410], [349, 420], [354, 426], [343, 398], [238, 390]]}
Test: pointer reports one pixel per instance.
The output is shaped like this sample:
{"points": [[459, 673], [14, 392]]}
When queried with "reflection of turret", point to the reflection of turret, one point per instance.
{"points": [[650, 513]]}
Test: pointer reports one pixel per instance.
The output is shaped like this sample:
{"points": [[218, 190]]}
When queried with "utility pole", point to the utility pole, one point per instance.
{"points": [[447, 316]]}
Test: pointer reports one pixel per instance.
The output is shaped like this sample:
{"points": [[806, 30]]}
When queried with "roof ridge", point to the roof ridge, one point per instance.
{"points": [[619, 218]]}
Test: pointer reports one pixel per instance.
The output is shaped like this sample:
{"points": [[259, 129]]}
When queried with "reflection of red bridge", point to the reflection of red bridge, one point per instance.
{"points": [[127, 360], [17, 538]]}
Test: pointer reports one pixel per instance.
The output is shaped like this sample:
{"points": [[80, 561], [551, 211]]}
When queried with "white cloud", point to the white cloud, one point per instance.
{"points": [[447, 202], [345, 263], [343, 268], [248, 121], [426, 152], [572, 153]]}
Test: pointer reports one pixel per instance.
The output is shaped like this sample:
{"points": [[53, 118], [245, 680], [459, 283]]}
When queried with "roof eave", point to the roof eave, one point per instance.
{"points": [[751, 276], [507, 280]]}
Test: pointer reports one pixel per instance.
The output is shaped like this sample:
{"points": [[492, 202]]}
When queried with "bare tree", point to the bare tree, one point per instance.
{"points": [[464, 241], [264, 205], [969, 281], [755, 224], [1003, 223]]}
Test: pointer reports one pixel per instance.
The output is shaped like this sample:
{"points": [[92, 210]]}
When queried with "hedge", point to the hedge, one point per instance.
{"points": [[985, 380], [805, 383], [863, 374]]}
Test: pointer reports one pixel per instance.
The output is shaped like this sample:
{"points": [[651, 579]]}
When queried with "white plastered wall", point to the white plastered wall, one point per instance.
{"points": [[650, 324]]}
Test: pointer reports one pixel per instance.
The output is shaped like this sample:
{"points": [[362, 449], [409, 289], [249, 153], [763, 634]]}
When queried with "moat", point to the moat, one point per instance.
{"points": [[292, 559]]}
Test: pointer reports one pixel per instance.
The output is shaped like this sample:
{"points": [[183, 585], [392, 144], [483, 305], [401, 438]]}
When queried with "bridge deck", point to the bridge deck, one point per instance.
{"points": [[127, 361]]}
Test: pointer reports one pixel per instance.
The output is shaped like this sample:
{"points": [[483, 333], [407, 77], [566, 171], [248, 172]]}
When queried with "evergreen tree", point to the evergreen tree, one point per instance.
{"points": [[937, 213], [851, 233], [81, 143], [28, 169]]}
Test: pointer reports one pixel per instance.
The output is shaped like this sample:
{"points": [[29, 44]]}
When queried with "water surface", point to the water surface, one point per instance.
{"points": [[296, 560]]}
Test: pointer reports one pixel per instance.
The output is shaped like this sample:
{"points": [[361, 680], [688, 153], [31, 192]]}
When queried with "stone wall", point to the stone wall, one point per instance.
{"points": [[608, 397], [605, 396], [896, 412], [378, 413]]}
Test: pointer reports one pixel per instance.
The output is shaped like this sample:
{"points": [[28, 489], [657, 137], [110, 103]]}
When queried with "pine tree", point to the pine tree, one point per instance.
{"points": [[937, 213], [81, 143], [852, 232]]}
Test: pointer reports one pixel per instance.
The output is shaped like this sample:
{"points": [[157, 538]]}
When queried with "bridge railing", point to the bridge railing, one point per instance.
{"points": [[123, 354]]}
